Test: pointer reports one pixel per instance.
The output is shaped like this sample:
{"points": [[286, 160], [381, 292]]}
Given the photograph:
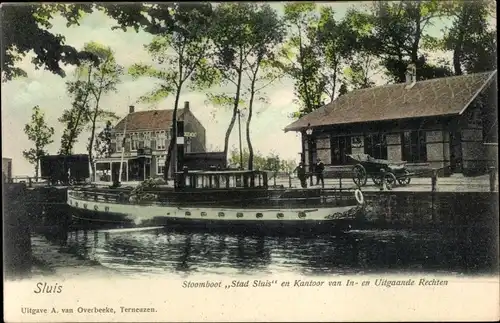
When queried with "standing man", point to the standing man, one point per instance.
{"points": [[301, 174], [320, 168]]}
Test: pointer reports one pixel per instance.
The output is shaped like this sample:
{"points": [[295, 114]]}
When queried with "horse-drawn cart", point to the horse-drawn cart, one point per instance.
{"points": [[377, 169]]}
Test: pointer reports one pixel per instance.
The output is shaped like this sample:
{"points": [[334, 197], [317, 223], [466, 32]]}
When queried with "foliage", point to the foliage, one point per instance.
{"points": [[102, 80], [234, 35], [399, 33], [182, 57], [319, 49], [299, 59], [266, 33], [473, 43], [336, 45], [77, 116], [40, 134], [89, 85], [102, 147], [26, 27], [272, 162]]}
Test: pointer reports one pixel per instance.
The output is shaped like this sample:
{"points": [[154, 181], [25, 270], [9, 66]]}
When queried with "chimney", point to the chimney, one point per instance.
{"points": [[411, 75], [131, 109], [186, 106]]}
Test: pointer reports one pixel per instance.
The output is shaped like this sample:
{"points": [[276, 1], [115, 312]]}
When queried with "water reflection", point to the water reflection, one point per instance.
{"points": [[160, 251]]}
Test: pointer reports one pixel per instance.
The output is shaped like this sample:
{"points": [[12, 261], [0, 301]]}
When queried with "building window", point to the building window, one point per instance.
{"points": [[413, 146], [133, 141], [160, 169], [340, 148], [376, 145]]}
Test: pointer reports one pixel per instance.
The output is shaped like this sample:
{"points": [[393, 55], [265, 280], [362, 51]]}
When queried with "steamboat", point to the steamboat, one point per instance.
{"points": [[227, 200]]}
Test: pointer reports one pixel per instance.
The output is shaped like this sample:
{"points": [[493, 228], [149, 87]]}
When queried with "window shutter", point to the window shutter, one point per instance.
{"points": [[153, 144]]}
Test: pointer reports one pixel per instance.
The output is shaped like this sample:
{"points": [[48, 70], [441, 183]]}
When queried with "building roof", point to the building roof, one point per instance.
{"points": [[435, 97], [148, 120]]}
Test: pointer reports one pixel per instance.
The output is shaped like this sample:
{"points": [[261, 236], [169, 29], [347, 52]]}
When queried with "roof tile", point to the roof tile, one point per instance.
{"points": [[435, 97], [148, 120]]}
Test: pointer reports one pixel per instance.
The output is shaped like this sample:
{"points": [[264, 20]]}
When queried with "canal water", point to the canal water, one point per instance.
{"points": [[157, 252]]}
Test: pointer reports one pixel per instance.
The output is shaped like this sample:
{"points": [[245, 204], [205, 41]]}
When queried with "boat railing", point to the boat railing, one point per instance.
{"points": [[101, 196], [155, 196]]}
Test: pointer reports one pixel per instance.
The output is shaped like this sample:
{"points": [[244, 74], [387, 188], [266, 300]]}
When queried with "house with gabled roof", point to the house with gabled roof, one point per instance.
{"points": [[142, 139], [444, 123]]}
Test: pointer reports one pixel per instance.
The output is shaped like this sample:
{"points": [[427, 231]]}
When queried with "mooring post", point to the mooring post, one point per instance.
{"points": [[434, 180], [492, 178], [340, 180], [30, 182], [382, 181]]}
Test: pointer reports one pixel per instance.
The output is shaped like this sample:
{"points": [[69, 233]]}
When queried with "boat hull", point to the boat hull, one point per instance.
{"points": [[307, 219]]}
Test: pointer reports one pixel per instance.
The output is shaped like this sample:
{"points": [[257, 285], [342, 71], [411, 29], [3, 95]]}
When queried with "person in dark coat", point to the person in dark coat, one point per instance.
{"points": [[320, 168], [301, 174]]}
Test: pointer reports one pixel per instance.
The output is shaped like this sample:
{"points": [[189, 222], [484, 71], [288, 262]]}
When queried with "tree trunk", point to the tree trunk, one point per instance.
{"points": [[457, 51], [229, 130], [91, 144], [235, 109], [249, 141], [173, 137], [334, 86], [249, 119], [36, 169]]}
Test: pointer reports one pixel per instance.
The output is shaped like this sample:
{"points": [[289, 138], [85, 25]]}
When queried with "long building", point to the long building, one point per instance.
{"points": [[448, 124]]}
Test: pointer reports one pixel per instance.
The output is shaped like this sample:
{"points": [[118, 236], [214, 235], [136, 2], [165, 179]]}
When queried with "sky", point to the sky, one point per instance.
{"points": [[48, 91]]}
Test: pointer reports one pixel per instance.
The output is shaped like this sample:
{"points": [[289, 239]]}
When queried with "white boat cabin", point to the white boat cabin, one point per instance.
{"points": [[214, 180]]}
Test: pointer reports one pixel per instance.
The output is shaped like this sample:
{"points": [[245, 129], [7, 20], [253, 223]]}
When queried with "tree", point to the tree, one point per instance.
{"points": [[272, 162], [266, 33], [101, 80], [78, 115], [299, 59], [40, 134], [470, 38], [398, 34], [318, 49], [183, 54], [26, 27], [336, 42], [102, 145], [232, 33]]}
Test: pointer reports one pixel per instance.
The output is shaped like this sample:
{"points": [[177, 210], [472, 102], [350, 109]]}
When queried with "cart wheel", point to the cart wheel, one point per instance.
{"points": [[377, 179], [359, 175], [405, 179], [390, 180]]}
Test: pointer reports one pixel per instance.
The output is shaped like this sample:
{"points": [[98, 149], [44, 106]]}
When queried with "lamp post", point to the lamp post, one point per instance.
{"points": [[309, 132]]}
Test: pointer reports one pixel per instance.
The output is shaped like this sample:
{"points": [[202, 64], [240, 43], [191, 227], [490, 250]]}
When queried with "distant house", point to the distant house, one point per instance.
{"points": [[446, 124], [7, 168], [147, 136]]}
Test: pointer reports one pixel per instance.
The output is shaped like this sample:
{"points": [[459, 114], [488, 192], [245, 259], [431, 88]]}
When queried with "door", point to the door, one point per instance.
{"points": [[149, 164], [455, 152]]}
